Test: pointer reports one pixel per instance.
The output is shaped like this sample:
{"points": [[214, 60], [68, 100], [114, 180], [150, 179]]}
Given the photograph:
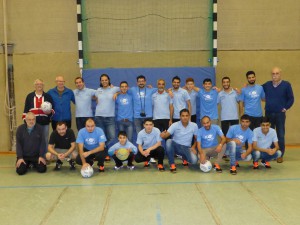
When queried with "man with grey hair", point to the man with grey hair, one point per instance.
{"points": [[62, 98], [33, 103], [30, 146]]}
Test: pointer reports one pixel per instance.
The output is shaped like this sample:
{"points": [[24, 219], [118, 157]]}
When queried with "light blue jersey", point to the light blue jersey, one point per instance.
{"points": [[128, 144], [83, 100], [183, 135], [264, 141], [124, 105], [161, 105], [229, 107], [148, 140], [209, 138], [193, 98], [235, 131], [252, 96], [106, 103], [91, 140], [180, 99], [142, 101], [208, 103]]}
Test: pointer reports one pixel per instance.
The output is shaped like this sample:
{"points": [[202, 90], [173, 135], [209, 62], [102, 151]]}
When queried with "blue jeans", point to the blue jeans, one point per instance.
{"points": [[265, 156], [235, 154], [173, 148], [126, 126], [278, 122], [108, 125]]}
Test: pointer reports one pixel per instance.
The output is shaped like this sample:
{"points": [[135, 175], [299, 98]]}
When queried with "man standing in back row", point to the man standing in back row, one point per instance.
{"points": [[279, 98]]}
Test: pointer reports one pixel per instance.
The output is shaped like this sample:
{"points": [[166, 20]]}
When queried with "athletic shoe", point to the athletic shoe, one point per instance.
{"points": [[178, 156], [185, 163], [101, 169], [279, 160], [255, 165], [233, 170], [72, 164], [266, 164], [118, 168], [217, 168], [107, 159], [58, 165], [173, 168], [160, 167], [152, 160], [130, 167], [237, 164], [146, 164]]}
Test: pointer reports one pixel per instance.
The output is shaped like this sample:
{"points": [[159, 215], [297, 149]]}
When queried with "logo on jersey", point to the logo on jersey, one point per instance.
{"points": [[124, 101], [253, 94], [240, 137], [207, 97], [91, 141], [141, 94], [209, 137]]}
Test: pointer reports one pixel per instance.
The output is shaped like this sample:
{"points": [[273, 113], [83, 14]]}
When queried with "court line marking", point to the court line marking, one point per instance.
{"points": [[208, 205], [53, 207], [149, 183], [106, 206], [263, 205]]}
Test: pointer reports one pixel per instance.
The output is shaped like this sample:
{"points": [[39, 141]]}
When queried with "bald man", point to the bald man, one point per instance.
{"points": [[62, 98], [279, 98]]}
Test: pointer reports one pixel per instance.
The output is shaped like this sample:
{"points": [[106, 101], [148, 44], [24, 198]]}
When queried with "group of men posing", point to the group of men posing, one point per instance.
{"points": [[156, 114]]}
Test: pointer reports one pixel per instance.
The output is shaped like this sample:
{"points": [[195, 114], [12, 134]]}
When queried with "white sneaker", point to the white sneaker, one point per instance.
{"points": [[131, 167], [152, 160], [118, 168]]}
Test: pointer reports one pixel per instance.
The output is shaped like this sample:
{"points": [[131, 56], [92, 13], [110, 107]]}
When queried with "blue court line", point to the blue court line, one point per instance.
{"points": [[154, 183]]}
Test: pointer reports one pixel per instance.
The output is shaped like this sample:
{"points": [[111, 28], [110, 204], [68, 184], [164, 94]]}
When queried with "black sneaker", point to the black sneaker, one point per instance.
{"points": [[266, 164], [58, 165], [72, 164], [217, 168], [173, 168]]}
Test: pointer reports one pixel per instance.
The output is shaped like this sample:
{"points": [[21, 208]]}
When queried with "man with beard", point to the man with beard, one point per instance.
{"points": [[181, 99], [251, 98], [142, 102], [162, 107], [228, 99]]}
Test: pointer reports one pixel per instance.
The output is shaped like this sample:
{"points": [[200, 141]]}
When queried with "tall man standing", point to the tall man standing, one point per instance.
{"points": [[279, 98], [62, 98]]}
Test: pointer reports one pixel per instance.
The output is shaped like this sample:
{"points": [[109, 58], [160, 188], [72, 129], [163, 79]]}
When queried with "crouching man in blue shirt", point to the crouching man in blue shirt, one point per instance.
{"points": [[263, 138]]}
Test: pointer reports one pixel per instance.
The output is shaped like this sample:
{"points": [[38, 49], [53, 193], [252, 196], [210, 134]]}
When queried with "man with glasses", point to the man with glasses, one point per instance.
{"points": [[279, 98]]}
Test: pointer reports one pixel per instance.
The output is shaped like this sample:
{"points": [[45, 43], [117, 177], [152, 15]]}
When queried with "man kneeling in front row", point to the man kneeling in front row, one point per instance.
{"points": [[263, 138], [62, 146], [30, 146]]}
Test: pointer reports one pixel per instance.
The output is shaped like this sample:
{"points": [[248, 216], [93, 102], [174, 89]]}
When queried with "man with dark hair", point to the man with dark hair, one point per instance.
{"points": [[208, 98], [62, 146], [181, 98], [236, 137], [30, 146], [149, 145], [182, 133], [83, 99], [279, 98], [251, 98], [142, 102], [228, 99], [124, 114], [263, 138]]}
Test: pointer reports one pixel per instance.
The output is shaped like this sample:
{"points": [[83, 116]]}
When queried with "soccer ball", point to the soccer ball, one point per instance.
{"points": [[122, 154], [206, 167], [46, 107], [87, 172]]}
